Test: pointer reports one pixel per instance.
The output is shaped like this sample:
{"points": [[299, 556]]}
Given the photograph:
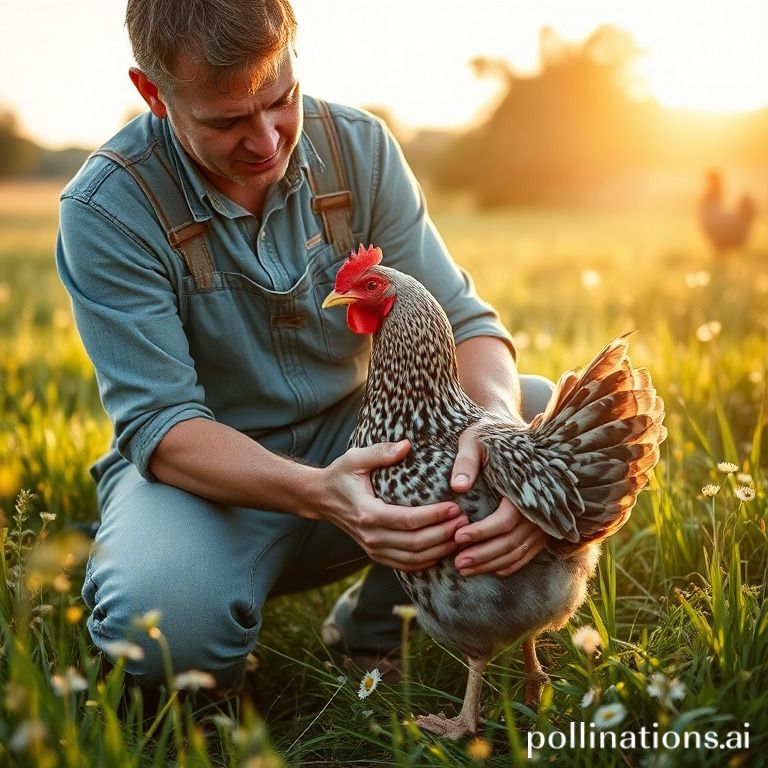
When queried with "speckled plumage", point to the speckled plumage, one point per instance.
{"points": [[575, 471]]}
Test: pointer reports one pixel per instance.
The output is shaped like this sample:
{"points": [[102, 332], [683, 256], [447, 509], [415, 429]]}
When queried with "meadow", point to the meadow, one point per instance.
{"points": [[679, 605]]}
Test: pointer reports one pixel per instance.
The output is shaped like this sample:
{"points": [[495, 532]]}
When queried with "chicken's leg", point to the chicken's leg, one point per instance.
{"points": [[468, 719], [534, 674]]}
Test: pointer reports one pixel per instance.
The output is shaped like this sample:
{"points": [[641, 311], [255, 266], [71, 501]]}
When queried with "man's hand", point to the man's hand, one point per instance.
{"points": [[501, 543], [406, 538]]}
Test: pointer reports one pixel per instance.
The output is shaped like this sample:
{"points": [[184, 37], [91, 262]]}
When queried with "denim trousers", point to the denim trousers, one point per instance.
{"points": [[209, 568]]}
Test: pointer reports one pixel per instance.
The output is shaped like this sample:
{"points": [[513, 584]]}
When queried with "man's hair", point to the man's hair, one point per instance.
{"points": [[227, 36]]}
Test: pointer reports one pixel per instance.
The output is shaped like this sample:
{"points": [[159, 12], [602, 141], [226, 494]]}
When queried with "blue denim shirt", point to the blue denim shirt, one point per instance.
{"points": [[165, 352]]}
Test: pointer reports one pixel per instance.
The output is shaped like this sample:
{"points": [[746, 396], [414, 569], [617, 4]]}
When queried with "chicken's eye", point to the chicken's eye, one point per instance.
{"points": [[371, 285]]}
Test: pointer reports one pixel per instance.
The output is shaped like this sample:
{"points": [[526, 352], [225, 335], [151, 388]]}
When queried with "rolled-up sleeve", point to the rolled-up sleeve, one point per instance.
{"points": [[402, 226], [127, 313]]}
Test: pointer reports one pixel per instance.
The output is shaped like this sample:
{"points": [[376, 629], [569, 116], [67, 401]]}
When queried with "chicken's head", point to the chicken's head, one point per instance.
{"points": [[366, 290]]}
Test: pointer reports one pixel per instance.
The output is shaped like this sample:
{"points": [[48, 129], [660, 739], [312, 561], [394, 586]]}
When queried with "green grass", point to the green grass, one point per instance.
{"points": [[681, 590]]}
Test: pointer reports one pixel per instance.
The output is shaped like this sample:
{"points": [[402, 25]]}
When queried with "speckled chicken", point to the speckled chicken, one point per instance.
{"points": [[575, 470]]}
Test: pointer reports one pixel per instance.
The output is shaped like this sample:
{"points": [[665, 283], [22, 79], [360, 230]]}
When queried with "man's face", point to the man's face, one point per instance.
{"points": [[240, 133]]}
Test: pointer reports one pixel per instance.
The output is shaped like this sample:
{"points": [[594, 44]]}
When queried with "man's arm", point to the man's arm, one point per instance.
{"points": [[504, 541], [219, 463]]}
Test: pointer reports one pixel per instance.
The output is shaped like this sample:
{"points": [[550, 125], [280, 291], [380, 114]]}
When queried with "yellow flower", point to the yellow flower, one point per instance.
{"points": [[368, 683], [73, 614], [479, 749]]}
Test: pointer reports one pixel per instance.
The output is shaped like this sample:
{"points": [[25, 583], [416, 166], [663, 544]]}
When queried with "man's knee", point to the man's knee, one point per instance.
{"points": [[178, 624], [535, 392]]}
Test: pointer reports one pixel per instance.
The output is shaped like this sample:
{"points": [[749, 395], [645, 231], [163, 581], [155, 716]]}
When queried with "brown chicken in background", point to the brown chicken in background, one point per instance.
{"points": [[575, 470], [726, 229]]}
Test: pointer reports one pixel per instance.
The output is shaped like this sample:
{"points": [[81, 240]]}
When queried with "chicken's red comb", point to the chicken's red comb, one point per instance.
{"points": [[355, 265]]}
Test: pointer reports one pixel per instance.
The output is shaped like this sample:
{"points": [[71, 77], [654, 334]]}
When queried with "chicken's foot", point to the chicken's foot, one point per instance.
{"points": [[469, 718]]}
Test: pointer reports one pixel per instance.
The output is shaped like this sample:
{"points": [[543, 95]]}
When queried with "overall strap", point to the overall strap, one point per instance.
{"points": [[185, 235], [331, 196]]}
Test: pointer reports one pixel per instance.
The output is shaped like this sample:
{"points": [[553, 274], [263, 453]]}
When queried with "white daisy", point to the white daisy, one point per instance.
{"points": [[30, 733], [664, 690], [727, 467], [710, 489], [193, 680], [609, 715], [589, 697], [368, 683], [587, 638], [121, 649], [405, 612], [745, 493], [70, 682], [744, 478], [148, 621]]}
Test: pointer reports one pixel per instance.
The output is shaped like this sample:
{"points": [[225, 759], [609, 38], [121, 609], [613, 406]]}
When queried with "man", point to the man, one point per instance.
{"points": [[232, 395]]}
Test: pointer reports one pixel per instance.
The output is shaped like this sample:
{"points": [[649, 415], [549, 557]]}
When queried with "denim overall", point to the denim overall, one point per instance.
{"points": [[210, 568]]}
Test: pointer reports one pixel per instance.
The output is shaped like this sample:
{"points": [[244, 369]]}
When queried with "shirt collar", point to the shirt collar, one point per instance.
{"points": [[201, 195]]}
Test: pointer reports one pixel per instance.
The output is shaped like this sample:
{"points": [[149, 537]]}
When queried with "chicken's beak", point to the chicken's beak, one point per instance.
{"points": [[334, 299]]}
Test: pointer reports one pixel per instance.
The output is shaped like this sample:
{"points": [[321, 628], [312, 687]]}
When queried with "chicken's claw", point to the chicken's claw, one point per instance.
{"points": [[452, 728]]}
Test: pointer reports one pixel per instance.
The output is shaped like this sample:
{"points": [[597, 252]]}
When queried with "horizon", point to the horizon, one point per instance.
{"points": [[704, 58]]}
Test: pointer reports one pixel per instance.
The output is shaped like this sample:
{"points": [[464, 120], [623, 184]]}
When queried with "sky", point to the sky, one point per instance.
{"points": [[64, 62]]}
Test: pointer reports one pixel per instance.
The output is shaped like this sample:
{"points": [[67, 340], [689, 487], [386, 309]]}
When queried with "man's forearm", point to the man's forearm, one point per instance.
{"points": [[488, 374], [219, 463]]}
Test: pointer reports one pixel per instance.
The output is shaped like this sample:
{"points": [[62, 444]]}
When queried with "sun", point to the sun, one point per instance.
{"points": [[706, 62]]}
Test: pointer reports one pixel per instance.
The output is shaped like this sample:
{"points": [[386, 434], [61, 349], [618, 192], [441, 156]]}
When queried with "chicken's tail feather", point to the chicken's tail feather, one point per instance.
{"points": [[607, 423], [577, 471]]}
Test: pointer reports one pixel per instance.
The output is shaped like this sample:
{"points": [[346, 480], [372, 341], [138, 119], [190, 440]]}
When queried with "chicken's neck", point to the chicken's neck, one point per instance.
{"points": [[413, 383]]}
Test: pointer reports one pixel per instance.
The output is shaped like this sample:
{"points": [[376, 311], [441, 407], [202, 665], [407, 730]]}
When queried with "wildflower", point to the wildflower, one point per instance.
{"points": [[224, 722], [148, 621], [62, 583], [70, 682], [726, 467], [609, 715], [405, 612], [709, 331], [542, 340], [590, 278], [47, 517], [73, 614], [122, 649], [193, 680], [745, 493], [589, 697], [744, 478], [479, 749], [15, 695], [31, 733], [697, 279], [587, 638], [368, 683], [710, 489], [666, 691]]}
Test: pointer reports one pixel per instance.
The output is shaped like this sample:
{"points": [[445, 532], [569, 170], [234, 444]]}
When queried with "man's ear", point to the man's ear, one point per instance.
{"points": [[148, 91]]}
